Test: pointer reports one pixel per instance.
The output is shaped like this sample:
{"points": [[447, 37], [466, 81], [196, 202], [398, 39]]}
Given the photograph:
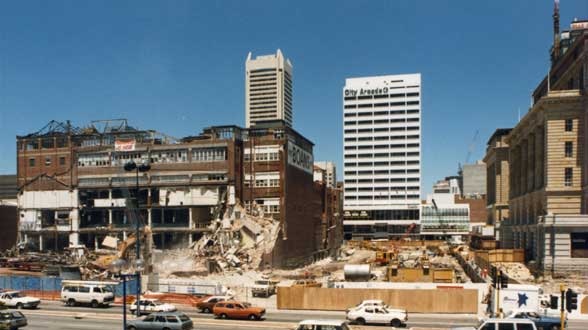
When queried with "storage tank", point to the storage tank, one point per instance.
{"points": [[357, 273]]}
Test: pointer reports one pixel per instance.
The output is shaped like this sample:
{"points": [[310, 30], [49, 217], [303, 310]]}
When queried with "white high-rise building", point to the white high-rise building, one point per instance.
{"points": [[382, 155], [268, 89], [330, 173]]}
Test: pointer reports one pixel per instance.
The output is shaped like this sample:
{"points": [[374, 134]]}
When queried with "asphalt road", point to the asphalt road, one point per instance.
{"points": [[54, 315]]}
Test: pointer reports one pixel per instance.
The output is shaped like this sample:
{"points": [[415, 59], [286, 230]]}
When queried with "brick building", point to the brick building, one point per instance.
{"points": [[73, 188]]}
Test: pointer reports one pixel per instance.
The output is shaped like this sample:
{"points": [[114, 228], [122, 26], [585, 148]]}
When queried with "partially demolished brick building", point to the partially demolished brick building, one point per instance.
{"points": [[73, 189]]}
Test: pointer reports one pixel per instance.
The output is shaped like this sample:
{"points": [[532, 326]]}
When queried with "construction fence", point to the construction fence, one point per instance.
{"points": [[48, 287], [485, 258], [447, 300]]}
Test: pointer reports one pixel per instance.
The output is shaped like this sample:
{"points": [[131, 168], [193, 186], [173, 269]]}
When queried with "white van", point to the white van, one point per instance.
{"points": [[87, 292]]}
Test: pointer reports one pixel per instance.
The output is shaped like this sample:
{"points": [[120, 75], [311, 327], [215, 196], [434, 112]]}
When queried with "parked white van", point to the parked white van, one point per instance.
{"points": [[87, 292]]}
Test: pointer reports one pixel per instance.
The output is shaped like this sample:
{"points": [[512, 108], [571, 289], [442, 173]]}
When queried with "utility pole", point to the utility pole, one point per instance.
{"points": [[561, 305]]}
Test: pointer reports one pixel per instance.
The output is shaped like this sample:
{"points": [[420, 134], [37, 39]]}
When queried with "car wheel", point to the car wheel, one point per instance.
{"points": [[71, 302], [252, 317], [223, 316], [396, 323], [206, 310], [95, 304], [360, 321], [130, 327], [19, 306], [166, 329], [554, 327]]}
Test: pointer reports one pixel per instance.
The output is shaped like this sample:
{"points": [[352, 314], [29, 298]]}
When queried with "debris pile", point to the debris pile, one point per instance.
{"points": [[237, 242]]}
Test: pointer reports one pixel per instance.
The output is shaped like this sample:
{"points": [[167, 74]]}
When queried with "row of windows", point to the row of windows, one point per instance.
{"points": [[381, 121], [266, 208], [379, 172], [381, 129], [388, 189], [382, 138], [393, 180], [48, 161], [263, 183], [263, 156], [155, 157], [381, 113], [382, 104], [351, 198], [383, 215], [380, 96], [393, 163]]}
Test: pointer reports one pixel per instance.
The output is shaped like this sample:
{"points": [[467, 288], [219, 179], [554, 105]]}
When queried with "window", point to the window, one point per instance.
{"points": [[31, 162], [47, 161], [61, 161], [489, 326], [97, 290], [569, 125], [568, 176], [506, 326], [579, 245], [171, 319], [525, 326], [569, 148], [84, 289]]}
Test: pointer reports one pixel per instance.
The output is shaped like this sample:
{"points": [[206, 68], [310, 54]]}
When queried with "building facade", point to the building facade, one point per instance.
{"points": [[382, 155], [443, 218], [548, 162], [268, 89], [497, 179], [474, 179], [73, 188], [328, 172]]}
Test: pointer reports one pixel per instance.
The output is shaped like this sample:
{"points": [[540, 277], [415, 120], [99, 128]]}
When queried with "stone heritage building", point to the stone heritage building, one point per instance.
{"points": [[497, 178], [548, 162]]}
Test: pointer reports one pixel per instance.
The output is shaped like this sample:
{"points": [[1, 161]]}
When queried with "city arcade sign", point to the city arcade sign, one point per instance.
{"points": [[124, 145], [299, 158], [362, 91]]}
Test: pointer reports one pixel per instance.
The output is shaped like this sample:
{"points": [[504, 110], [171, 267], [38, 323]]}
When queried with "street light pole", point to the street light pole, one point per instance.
{"points": [[130, 166]]}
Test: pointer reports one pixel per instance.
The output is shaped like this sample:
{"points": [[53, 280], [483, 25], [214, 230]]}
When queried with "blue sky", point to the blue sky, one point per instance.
{"points": [[178, 66]]}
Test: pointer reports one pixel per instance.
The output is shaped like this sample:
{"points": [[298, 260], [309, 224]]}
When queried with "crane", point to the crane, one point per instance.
{"points": [[471, 148]]}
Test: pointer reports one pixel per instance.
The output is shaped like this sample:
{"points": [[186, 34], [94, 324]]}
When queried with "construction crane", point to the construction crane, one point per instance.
{"points": [[471, 148]]}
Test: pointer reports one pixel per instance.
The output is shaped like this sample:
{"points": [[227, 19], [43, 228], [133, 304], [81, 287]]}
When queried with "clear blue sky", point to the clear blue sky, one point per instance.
{"points": [[178, 66]]}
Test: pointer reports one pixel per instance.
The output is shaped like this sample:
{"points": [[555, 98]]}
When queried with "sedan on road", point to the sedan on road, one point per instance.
{"points": [[148, 306], [377, 315], [167, 321], [541, 321], [12, 320]]}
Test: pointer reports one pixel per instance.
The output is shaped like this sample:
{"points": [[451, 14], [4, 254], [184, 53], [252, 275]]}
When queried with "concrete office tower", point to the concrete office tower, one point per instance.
{"points": [[268, 89], [474, 179], [382, 160], [330, 173]]}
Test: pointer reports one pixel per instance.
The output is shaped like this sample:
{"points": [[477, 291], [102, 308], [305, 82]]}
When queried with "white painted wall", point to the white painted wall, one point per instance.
{"points": [[52, 199]]}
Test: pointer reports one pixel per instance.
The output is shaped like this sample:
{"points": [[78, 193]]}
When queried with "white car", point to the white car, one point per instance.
{"points": [[377, 315], [496, 324], [368, 303], [17, 300], [322, 324], [148, 306]]}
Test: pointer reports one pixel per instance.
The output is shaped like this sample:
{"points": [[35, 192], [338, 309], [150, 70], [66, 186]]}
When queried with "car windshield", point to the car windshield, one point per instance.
{"points": [[107, 289], [184, 317], [262, 282], [16, 295]]}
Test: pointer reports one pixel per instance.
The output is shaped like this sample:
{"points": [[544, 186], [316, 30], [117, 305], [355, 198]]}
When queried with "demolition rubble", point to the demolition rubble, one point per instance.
{"points": [[236, 243]]}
